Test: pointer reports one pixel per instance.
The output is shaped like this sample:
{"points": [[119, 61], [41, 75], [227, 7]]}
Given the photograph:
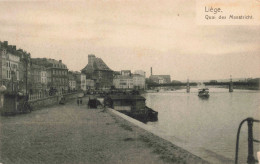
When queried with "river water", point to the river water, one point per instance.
{"points": [[207, 127]]}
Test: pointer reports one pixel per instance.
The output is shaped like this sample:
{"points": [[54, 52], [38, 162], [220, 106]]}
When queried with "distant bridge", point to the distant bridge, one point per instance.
{"points": [[170, 84], [249, 85]]}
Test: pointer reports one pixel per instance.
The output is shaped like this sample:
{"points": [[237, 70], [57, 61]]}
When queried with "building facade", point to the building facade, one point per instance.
{"points": [[99, 72], [9, 67], [127, 80], [138, 81], [57, 74], [83, 82], [123, 82], [72, 81]]}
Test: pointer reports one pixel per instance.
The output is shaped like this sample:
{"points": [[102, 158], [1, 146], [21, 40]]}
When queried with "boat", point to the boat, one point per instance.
{"points": [[203, 93]]}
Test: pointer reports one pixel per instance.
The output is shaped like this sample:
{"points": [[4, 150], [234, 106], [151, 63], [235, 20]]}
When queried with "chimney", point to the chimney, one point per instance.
{"points": [[14, 47], [151, 71], [60, 61], [91, 59]]}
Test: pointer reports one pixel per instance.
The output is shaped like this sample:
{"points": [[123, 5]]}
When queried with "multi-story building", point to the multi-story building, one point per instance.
{"points": [[97, 70], [14, 68], [83, 82], [24, 70], [138, 81], [123, 82], [127, 80], [57, 74], [72, 81], [37, 83], [140, 72], [79, 79], [9, 67]]}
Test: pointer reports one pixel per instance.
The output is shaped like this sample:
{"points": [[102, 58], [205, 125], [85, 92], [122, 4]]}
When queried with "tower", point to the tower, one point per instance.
{"points": [[91, 59]]}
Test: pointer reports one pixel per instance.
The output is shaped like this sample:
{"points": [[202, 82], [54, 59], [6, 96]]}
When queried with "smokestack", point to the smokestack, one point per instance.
{"points": [[151, 71]]}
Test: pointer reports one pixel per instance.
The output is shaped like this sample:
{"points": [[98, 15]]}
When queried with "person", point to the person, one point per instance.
{"points": [[78, 101]]}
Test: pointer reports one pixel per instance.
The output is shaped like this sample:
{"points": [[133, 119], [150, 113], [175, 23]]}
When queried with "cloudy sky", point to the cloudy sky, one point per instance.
{"points": [[134, 35]]}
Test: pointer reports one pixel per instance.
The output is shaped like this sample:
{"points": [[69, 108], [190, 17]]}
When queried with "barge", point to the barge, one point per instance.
{"points": [[131, 105]]}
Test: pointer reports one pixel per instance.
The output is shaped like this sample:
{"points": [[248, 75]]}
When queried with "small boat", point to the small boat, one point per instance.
{"points": [[203, 93]]}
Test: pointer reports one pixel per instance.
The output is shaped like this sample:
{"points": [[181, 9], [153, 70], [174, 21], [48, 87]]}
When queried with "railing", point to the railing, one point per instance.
{"points": [[38, 96], [250, 158], [42, 95]]}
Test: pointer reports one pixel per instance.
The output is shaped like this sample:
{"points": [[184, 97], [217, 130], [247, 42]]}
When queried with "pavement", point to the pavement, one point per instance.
{"points": [[72, 134]]}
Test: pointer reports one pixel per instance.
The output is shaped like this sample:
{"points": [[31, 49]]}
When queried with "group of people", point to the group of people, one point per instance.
{"points": [[79, 101]]}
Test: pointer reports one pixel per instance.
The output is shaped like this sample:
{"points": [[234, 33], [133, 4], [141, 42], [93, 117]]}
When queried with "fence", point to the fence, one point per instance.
{"points": [[43, 95]]}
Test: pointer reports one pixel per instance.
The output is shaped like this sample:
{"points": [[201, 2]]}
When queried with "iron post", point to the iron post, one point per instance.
{"points": [[250, 157]]}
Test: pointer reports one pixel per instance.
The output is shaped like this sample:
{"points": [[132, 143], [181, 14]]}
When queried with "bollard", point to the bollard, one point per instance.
{"points": [[250, 157]]}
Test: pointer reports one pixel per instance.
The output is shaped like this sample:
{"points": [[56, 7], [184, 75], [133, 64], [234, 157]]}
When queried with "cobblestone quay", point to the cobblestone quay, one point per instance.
{"points": [[74, 134]]}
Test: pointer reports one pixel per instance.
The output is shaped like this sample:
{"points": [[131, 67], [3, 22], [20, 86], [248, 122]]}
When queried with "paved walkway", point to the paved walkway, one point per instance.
{"points": [[74, 134]]}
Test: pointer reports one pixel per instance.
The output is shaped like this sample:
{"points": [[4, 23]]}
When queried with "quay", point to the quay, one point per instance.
{"points": [[72, 133]]}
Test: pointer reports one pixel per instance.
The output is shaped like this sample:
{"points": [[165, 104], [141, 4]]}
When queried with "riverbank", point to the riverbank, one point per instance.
{"points": [[75, 134], [242, 87]]}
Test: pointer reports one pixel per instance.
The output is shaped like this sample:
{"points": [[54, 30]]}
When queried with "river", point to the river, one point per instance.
{"points": [[207, 127]]}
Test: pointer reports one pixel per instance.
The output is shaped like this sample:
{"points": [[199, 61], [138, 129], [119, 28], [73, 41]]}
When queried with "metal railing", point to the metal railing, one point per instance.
{"points": [[250, 158]]}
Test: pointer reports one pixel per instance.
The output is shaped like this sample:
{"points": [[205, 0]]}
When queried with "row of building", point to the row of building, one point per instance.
{"points": [[38, 77], [19, 72]]}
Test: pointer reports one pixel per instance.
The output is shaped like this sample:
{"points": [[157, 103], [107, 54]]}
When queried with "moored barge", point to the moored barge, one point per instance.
{"points": [[133, 106]]}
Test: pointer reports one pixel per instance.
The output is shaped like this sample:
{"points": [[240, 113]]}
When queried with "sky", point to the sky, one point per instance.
{"points": [[132, 35]]}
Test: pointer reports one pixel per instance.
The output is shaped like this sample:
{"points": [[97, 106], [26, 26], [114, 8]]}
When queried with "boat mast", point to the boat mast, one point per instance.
{"points": [[188, 86], [230, 84]]}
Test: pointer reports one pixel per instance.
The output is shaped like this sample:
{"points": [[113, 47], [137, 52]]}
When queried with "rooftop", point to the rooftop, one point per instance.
{"points": [[98, 64], [126, 97]]}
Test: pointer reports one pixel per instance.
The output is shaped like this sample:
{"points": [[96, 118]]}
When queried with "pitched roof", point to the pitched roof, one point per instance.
{"points": [[98, 64]]}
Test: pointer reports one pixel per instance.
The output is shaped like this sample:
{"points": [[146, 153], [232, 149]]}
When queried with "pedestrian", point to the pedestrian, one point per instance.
{"points": [[78, 101]]}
